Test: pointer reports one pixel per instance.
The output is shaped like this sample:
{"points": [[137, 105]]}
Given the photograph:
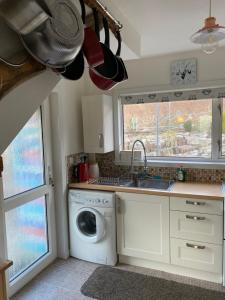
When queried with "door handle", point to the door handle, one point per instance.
{"points": [[118, 205], [196, 203], [195, 246], [195, 218], [101, 140]]}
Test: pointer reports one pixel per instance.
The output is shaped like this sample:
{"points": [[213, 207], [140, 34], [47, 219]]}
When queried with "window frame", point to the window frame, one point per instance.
{"points": [[216, 160]]}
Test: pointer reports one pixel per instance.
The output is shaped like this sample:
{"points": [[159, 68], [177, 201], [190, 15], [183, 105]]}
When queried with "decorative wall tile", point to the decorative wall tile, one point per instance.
{"points": [[109, 169]]}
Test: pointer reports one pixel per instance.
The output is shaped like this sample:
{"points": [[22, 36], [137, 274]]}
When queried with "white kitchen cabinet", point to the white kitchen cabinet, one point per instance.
{"points": [[143, 226], [196, 255], [98, 124], [196, 235]]}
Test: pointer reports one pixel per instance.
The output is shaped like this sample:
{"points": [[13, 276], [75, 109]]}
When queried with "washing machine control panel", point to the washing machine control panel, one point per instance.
{"points": [[94, 199], [97, 201]]}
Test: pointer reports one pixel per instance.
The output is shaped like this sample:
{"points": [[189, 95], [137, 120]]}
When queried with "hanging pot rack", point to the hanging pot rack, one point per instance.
{"points": [[10, 77], [114, 24]]}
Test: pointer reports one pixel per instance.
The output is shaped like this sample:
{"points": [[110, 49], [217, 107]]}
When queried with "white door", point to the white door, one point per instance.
{"points": [[143, 226], [27, 204]]}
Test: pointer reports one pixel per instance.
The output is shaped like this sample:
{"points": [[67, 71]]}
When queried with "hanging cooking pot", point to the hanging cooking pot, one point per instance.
{"points": [[109, 68], [107, 84], [23, 16], [12, 51], [91, 47], [57, 41], [122, 72], [75, 70]]}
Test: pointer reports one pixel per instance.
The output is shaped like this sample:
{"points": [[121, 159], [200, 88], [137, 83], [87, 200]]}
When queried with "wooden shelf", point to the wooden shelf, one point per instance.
{"points": [[10, 77], [4, 265]]}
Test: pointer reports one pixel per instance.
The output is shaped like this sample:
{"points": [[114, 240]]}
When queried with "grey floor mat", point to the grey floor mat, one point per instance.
{"points": [[108, 283]]}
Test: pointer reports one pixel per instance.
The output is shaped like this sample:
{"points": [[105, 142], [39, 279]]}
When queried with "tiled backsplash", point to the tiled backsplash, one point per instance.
{"points": [[108, 168]]}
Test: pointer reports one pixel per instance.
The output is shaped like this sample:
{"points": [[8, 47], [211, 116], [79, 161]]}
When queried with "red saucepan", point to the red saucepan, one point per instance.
{"points": [[109, 68], [107, 84], [91, 47]]}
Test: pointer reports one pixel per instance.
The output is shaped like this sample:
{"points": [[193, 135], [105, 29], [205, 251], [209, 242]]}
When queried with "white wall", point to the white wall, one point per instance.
{"points": [[67, 138], [155, 71], [18, 106]]}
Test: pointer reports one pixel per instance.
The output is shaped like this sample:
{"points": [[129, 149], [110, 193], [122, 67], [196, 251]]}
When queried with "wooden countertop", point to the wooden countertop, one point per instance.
{"points": [[184, 189]]}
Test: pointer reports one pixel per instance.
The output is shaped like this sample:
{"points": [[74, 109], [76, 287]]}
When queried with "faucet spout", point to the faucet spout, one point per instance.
{"points": [[132, 157]]}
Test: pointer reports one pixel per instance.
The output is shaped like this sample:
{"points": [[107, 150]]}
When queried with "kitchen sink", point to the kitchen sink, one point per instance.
{"points": [[158, 184], [144, 183]]}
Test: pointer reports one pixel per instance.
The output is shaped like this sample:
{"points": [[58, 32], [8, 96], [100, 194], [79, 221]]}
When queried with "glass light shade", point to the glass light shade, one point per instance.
{"points": [[211, 45], [209, 36], [205, 35]]}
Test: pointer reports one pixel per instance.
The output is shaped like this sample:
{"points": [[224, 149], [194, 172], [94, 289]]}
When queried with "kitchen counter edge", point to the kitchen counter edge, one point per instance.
{"points": [[187, 189]]}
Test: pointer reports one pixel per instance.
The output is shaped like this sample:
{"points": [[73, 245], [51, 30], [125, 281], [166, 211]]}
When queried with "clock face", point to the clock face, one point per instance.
{"points": [[183, 72]]}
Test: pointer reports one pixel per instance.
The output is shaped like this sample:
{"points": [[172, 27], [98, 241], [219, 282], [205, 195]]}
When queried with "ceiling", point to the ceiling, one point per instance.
{"points": [[165, 26]]}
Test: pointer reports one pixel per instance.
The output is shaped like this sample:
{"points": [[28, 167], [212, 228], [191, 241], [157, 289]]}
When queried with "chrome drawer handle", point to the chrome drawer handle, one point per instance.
{"points": [[195, 218], [194, 203], [195, 246]]}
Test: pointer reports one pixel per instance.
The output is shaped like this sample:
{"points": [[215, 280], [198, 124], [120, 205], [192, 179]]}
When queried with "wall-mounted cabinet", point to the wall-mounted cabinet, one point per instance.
{"points": [[98, 123]]}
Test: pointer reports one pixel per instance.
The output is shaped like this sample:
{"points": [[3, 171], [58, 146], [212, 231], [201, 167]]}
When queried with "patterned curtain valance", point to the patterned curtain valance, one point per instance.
{"points": [[179, 95]]}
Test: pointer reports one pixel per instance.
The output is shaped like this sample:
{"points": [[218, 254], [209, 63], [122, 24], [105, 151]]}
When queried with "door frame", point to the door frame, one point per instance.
{"points": [[15, 201]]}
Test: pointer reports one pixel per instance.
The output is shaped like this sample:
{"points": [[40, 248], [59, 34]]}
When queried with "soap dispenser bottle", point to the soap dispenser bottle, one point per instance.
{"points": [[181, 174]]}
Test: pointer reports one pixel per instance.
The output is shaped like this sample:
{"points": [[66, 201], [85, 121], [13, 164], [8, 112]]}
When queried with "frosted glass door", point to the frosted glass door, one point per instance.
{"points": [[28, 227], [28, 201]]}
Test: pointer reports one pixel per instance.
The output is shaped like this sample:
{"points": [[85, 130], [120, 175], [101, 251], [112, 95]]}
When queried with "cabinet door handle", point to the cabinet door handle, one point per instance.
{"points": [[101, 140], [195, 246], [118, 204], [195, 218], [195, 203]]}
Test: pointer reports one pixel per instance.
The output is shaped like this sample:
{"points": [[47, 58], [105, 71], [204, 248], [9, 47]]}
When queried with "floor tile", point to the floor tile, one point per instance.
{"points": [[63, 279]]}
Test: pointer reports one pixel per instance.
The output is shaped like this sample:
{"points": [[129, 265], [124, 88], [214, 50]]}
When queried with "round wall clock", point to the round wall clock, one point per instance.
{"points": [[183, 72]]}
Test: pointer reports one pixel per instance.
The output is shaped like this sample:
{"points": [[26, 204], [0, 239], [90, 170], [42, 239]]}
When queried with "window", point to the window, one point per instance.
{"points": [[181, 128], [191, 130]]}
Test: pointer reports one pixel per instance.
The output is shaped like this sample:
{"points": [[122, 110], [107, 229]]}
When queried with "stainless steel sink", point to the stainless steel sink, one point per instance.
{"points": [[144, 183], [158, 184]]}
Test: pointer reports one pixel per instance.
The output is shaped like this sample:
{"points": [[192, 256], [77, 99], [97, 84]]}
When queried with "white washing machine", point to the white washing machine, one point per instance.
{"points": [[92, 223]]}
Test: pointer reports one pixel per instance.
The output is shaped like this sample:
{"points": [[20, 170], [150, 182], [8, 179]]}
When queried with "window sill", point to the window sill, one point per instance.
{"points": [[177, 163]]}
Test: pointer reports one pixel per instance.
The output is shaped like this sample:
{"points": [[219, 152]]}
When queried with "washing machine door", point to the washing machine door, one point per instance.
{"points": [[90, 225]]}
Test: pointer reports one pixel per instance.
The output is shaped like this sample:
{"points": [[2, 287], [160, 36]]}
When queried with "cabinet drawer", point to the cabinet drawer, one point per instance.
{"points": [[196, 227], [196, 255], [197, 205]]}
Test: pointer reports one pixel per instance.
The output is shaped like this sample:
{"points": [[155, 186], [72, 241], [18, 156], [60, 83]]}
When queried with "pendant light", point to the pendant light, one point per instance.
{"points": [[210, 35]]}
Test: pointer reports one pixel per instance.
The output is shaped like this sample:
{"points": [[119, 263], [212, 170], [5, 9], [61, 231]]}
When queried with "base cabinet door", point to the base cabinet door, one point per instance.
{"points": [[143, 226]]}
